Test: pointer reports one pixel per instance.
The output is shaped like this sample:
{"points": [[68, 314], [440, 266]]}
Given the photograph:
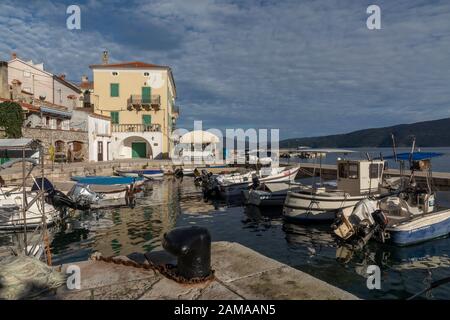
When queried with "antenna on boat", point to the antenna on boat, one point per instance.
{"points": [[394, 148], [411, 156], [413, 146]]}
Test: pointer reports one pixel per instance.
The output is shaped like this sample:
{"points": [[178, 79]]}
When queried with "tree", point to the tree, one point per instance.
{"points": [[11, 119]]}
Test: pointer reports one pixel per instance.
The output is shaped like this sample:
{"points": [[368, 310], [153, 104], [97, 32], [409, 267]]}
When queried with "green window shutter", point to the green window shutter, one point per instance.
{"points": [[114, 117], [146, 94], [146, 119], [114, 89]]}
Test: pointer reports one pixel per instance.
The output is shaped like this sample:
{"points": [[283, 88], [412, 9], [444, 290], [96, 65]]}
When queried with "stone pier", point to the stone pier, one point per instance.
{"points": [[240, 274]]}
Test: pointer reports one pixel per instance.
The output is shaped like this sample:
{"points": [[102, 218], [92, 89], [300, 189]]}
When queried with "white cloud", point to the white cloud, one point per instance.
{"points": [[306, 67]]}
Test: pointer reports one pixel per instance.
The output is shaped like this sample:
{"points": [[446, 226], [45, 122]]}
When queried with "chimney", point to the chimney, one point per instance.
{"points": [[16, 89], [13, 56], [62, 76], [105, 58], [84, 79], [4, 86]]}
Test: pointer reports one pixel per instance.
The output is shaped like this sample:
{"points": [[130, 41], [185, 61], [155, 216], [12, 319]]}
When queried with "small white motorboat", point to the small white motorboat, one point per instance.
{"points": [[406, 218], [150, 174], [233, 184], [270, 193], [11, 213]]}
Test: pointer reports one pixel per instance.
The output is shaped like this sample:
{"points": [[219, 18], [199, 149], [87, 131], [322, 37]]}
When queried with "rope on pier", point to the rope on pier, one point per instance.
{"points": [[167, 270]]}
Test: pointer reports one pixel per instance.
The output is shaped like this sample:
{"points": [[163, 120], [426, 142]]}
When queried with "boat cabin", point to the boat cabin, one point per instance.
{"points": [[358, 177]]}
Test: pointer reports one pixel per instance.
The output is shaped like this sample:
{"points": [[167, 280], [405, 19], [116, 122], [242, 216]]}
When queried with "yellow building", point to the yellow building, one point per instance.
{"points": [[140, 99]]}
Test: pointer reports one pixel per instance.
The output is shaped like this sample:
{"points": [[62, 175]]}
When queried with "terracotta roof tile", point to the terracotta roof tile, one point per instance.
{"points": [[23, 104], [132, 64]]}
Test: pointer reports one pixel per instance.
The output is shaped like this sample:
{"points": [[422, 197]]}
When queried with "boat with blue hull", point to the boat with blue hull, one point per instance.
{"points": [[150, 174], [425, 228], [408, 217], [106, 180]]}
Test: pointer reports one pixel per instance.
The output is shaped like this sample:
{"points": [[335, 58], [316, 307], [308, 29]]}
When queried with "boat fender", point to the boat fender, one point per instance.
{"points": [[192, 247]]}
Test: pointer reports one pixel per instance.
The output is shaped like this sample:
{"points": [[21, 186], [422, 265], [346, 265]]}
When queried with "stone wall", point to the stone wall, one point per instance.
{"points": [[49, 136]]}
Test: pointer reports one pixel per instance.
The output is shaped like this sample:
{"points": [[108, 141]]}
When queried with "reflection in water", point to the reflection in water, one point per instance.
{"points": [[121, 231], [311, 248]]}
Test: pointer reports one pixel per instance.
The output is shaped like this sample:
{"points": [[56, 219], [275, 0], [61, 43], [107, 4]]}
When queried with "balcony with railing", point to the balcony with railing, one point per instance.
{"points": [[136, 128], [139, 102], [175, 111]]}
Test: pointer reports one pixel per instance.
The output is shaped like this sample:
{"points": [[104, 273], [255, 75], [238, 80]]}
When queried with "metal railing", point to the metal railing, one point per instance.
{"points": [[138, 100], [136, 127]]}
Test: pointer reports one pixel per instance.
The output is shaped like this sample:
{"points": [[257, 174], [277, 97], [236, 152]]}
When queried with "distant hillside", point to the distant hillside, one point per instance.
{"points": [[435, 133]]}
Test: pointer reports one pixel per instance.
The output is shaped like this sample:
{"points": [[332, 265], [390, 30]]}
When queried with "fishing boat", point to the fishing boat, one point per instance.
{"points": [[410, 216], [150, 174], [356, 180], [230, 185]]}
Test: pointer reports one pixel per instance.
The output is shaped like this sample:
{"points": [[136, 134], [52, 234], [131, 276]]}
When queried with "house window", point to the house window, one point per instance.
{"points": [[115, 117], [27, 74], [58, 124], [114, 89], [66, 125], [146, 74], [115, 73], [146, 94]]}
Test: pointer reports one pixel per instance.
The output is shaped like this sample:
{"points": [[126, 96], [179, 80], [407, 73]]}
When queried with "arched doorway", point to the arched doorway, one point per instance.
{"points": [[136, 148], [75, 151]]}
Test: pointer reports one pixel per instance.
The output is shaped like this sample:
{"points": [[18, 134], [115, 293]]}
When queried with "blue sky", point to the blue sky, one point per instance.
{"points": [[306, 67]]}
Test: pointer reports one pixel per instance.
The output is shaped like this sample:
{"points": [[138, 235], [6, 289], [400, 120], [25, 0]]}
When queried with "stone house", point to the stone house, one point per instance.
{"points": [[52, 124]]}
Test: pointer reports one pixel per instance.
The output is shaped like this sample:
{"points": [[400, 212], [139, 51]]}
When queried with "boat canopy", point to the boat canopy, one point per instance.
{"points": [[416, 156], [199, 137], [23, 143], [105, 180]]}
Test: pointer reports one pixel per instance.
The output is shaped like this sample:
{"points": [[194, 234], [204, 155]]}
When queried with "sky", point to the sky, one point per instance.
{"points": [[305, 67]]}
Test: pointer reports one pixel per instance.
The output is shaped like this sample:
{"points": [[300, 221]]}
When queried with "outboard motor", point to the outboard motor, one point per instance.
{"points": [[54, 197], [255, 182], [178, 173], [192, 247], [83, 196]]}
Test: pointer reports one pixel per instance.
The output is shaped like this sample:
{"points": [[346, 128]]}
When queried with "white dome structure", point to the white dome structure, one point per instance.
{"points": [[198, 145], [199, 137]]}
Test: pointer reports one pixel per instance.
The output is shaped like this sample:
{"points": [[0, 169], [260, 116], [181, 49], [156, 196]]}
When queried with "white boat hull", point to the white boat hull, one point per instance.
{"points": [[424, 228], [310, 206], [11, 215], [235, 189]]}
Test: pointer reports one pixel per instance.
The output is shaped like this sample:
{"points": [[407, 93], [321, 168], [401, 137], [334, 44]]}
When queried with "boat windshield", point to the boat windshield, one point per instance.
{"points": [[348, 171]]}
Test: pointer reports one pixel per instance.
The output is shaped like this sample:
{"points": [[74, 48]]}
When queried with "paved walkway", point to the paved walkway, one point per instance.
{"points": [[241, 273]]}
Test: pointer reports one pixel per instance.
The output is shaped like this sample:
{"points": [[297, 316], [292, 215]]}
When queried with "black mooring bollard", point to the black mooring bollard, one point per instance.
{"points": [[192, 247]]}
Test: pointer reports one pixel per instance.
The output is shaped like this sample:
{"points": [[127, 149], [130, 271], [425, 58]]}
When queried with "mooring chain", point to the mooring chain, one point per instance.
{"points": [[167, 270]]}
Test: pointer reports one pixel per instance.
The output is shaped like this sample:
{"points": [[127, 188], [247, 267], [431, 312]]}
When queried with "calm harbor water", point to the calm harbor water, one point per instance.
{"points": [[310, 248]]}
